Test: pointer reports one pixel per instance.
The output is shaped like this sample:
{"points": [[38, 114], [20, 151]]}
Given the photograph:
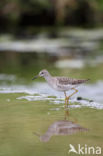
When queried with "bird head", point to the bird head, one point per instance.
{"points": [[42, 73]]}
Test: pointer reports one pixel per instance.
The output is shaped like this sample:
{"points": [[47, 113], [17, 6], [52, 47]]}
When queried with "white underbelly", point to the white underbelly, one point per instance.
{"points": [[63, 88]]}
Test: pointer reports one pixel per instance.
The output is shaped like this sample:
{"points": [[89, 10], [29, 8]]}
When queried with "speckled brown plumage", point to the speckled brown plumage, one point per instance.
{"points": [[66, 81]]}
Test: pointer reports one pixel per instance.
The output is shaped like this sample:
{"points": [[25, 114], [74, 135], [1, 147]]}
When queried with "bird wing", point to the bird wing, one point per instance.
{"points": [[66, 81]]}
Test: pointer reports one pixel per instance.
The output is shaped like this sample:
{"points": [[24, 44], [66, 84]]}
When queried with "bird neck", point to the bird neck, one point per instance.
{"points": [[47, 77]]}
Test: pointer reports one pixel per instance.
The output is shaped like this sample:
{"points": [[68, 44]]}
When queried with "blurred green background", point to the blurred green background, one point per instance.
{"points": [[65, 37], [37, 34]]}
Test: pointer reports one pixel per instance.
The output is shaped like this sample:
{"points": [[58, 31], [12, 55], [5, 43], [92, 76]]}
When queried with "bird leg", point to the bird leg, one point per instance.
{"points": [[74, 92], [66, 111], [65, 100], [68, 97]]}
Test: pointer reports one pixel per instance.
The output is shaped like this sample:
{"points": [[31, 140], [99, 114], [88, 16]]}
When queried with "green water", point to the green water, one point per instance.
{"points": [[19, 119]]}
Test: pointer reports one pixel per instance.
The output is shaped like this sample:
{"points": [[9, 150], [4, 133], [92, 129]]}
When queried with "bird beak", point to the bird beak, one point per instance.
{"points": [[35, 77]]}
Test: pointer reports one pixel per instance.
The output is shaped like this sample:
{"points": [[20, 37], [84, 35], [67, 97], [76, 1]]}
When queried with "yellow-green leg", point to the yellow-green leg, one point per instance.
{"points": [[66, 104], [72, 94], [65, 100]]}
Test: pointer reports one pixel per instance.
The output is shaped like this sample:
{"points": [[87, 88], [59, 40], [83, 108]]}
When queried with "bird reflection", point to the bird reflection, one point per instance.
{"points": [[66, 114], [62, 127]]}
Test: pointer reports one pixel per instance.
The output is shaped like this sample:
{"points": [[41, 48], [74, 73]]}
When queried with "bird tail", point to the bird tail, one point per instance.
{"points": [[83, 81]]}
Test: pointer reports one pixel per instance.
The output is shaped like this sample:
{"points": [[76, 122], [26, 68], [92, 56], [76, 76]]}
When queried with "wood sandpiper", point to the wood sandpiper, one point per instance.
{"points": [[62, 84]]}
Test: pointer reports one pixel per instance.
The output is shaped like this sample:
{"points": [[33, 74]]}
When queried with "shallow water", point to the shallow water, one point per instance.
{"points": [[91, 94], [23, 122], [31, 112]]}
